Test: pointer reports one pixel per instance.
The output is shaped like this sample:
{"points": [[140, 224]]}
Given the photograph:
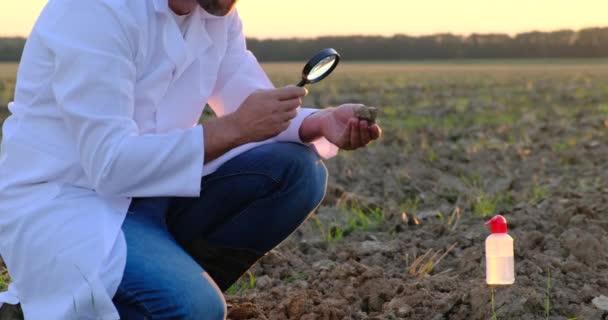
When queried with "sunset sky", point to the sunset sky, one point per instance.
{"points": [[309, 18]]}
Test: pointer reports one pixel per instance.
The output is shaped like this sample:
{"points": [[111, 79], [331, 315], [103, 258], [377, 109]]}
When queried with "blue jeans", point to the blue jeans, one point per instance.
{"points": [[183, 252]]}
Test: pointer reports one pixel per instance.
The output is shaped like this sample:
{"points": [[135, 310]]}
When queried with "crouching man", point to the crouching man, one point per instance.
{"points": [[114, 202]]}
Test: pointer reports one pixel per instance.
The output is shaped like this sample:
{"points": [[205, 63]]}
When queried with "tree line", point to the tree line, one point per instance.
{"points": [[585, 43], [11, 48]]}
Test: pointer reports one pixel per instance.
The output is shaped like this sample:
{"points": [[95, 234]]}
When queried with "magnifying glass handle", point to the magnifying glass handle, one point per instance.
{"points": [[302, 83]]}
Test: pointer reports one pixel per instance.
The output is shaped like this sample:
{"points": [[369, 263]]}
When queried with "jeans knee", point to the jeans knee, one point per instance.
{"points": [[306, 170], [318, 175], [201, 300], [207, 306]]}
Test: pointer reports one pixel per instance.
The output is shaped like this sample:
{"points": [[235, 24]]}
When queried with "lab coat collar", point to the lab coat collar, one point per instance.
{"points": [[161, 5], [183, 50]]}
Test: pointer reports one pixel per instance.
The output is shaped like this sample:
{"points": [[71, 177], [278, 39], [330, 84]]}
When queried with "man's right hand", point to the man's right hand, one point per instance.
{"points": [[263, 115], [266, 113]]}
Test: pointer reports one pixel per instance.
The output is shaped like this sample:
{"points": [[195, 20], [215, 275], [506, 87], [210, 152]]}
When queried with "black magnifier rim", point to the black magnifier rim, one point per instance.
{"points": [[325, 53]]}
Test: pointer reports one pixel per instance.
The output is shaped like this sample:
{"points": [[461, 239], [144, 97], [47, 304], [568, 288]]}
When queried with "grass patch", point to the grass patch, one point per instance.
{"points": [[358, 220], [473, 181], [538, 194], [564, 146], [410, 206], [486, 204], [333, 235], [432, 155], [451, 221], [295, 276], [361, 221], [243, 284]]}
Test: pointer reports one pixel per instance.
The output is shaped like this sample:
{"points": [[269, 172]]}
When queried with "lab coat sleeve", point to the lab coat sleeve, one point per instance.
{"points": [[94, 84], [241, 74]]}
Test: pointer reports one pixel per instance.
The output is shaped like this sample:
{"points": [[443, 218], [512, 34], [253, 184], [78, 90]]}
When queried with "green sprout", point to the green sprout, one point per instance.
{"points": [[295, 276], [539, 193], [494, 315], [333, 235], [243, 284]]}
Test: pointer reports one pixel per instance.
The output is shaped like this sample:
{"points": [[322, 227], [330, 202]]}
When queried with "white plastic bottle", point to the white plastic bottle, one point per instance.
{"points": [[500, 264]]}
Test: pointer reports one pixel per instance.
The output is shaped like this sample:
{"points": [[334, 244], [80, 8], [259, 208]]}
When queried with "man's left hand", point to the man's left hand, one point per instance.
{"points": [[341, 127]]}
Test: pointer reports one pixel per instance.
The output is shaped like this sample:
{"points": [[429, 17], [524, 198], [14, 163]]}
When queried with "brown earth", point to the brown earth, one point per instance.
{"points": [[400, 234], [529, 143]]}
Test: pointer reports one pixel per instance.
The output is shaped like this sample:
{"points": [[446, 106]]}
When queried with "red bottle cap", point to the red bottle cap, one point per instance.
{"points": [[498, 224]]}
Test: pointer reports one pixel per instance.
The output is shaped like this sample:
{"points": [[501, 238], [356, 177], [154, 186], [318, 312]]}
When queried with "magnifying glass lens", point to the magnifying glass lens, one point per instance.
{"points": [[321, 68]]}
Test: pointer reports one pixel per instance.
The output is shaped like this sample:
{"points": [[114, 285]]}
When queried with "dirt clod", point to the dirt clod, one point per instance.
{"points": [[366, 113]]}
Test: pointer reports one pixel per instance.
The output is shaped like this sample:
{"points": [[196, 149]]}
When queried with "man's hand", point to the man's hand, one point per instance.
{"points": [[266, 113], [341, 127]]}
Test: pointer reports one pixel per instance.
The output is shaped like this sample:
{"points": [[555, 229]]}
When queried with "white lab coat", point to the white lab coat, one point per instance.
{"points": [[106, 108]]}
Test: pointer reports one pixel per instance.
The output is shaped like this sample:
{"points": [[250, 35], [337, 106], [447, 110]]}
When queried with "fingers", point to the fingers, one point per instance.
{"points": [[364, 132], [360, 134], [289, 105], [375, 132], [344, 141], [289, 115], [288, 109], [355, 134], [290, 92]]}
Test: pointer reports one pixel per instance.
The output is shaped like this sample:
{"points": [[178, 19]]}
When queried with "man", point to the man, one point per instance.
{"points": [[114, 202]]}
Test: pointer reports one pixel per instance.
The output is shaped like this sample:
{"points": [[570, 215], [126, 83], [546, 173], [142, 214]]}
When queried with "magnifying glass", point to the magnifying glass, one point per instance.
{"points": [[319, 67]]}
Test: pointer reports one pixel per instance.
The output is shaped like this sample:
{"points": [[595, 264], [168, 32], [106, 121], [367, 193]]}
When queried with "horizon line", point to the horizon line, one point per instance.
{"points": [[396, 34]]}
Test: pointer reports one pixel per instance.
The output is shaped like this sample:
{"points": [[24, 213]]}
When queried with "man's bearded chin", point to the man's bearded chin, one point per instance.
{"points": [[217, 7]]}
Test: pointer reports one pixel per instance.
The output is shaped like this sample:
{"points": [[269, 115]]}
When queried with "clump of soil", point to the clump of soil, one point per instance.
{"points": [[367, 113]]}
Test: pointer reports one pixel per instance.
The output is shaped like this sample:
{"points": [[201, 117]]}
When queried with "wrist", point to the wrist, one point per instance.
{"points": [[311, 128], [220, 136], [233, 131]]}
